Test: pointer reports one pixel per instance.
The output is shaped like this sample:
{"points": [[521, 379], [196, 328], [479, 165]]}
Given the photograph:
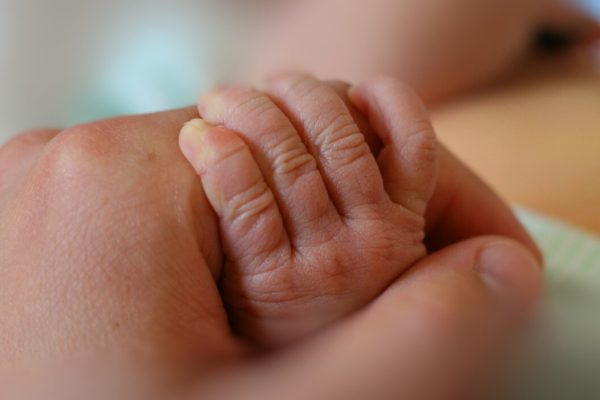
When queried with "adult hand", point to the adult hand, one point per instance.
{"points": [[109, 247]]}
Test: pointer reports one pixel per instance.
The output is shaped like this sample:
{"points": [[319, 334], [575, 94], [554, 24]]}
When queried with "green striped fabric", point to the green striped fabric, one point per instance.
{"points": [[568, 250], [562, 358]]}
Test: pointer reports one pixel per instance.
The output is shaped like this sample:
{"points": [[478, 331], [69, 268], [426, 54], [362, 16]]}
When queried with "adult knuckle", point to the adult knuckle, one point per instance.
{"points": [[27, 139], [21, 150], [70, 149], [78, 151]]}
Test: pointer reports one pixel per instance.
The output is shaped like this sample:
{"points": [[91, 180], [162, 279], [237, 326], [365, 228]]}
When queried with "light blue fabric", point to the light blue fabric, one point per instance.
{"points": [[149, 70]]}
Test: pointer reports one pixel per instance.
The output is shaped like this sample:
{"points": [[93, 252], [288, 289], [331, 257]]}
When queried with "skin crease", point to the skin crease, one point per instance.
{"points": [[109, 246]]}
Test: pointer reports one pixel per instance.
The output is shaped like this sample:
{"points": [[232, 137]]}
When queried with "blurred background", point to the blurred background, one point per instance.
{"points": [[68, 61], [65, 62]]}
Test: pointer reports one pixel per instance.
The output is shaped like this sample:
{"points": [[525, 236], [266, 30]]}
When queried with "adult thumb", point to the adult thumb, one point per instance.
{"points": [[436, 333]]}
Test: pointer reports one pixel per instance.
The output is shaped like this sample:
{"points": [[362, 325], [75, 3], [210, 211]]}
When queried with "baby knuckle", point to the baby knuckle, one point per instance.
{"points": [[408, 230], [292, 159], [300, 86], [347, 150], [423, 130], [341, 141], [234, 95], [243, 101], [386, 83], [249, 203], [225, 153], [421, 143]]}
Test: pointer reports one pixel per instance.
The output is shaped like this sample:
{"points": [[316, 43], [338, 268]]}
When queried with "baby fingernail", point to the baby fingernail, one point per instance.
{"points": [[511, 271], [191, 141], [211, 104]]}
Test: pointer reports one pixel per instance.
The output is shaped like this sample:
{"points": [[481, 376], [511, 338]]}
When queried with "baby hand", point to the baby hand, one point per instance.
{"points": [[314, 226]]}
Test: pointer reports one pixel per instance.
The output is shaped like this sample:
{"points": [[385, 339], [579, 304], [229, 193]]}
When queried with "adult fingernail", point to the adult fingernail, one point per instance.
{"points": [[510, 270]]}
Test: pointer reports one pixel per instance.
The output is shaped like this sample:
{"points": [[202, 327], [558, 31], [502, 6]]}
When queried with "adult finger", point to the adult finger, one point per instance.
{"points": [[463, 206]]}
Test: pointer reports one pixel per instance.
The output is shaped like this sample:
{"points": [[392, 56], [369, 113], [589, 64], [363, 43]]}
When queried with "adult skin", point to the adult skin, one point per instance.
{"points": [[110, 251], [442, 48]]}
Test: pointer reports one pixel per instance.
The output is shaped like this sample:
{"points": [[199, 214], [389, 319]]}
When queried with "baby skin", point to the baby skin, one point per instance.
{"points": [[314, 222]]}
